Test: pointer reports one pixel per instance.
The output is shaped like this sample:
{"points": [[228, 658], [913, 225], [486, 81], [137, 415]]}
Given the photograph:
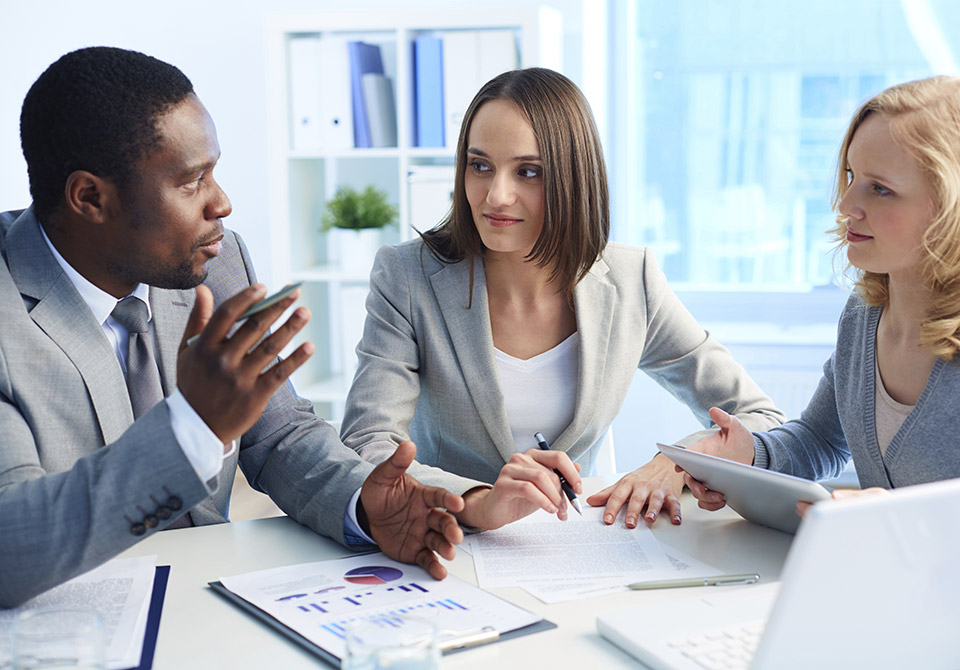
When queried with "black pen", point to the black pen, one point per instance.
{"points": [[564, 484]]}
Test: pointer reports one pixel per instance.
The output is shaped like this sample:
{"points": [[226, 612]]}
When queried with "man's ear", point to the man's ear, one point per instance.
{"points": [[88, 195]]}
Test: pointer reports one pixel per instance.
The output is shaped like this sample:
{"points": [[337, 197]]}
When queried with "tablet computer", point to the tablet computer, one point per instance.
{"points": [[763, 496]]}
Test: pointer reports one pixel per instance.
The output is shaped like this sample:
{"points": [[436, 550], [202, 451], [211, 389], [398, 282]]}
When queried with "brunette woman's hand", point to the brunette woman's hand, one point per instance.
{"points": [[526, 483], [648, 491]]}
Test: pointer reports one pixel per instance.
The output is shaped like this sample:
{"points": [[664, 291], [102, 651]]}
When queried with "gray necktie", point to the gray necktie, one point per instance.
{"points": [[143, 375]]}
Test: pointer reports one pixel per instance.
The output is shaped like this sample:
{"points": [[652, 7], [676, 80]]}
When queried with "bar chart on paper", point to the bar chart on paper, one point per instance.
{"points": [[320, 600]]}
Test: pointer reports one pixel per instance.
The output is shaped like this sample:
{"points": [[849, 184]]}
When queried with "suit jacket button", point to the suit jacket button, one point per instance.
{"points": [[138, 529], [174, 503], [150, 521], [163, 512]]}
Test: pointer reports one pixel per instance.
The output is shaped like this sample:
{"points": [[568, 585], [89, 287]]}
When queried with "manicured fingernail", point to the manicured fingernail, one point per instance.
{"points": [[608, 518], [676, 519], [551, 509], [579, 487], [651, 517]]}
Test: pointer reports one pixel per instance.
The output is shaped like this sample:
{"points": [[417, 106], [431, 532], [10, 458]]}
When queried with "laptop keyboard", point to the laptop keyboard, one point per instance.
{"points": [[722, 649]]}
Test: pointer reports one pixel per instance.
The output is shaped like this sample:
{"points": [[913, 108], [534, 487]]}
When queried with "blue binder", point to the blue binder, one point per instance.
{"points": [[364, 59], [428, 80]]}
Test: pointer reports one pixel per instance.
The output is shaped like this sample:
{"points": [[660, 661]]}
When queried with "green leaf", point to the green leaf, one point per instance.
{"points": [[351, 210]]}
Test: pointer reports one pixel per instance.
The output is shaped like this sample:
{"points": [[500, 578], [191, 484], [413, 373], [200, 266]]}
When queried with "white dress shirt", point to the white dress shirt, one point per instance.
{"points": [[203, 449], [200, 445]]}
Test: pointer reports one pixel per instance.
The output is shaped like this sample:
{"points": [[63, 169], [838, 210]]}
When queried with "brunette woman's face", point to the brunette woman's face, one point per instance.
{"points": [[504, 179]]}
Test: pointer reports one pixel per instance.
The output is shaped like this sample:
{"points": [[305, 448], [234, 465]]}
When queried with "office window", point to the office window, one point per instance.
{"points": [[738, 108], [723, 125]]}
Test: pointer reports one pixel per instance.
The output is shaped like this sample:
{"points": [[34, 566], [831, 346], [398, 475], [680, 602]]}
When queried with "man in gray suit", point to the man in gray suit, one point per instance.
{"points": [[126, 211]]}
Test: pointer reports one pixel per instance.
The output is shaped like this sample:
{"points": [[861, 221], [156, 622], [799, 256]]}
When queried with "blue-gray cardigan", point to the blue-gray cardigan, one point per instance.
{"points": [[840, 420]]}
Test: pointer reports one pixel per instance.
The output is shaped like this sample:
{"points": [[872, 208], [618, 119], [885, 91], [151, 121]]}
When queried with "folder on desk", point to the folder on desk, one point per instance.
{"points": [[312, 603], [153, 617]]}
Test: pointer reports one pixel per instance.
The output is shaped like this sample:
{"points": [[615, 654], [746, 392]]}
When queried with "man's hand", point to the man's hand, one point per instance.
{"points": [[224, 379], [733, 442], [525, 484], [656, 486], [404, 515]]}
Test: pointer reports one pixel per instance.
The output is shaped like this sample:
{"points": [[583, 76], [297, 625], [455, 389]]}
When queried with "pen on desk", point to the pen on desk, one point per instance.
{"points": [[716, 580], [564, 484]]}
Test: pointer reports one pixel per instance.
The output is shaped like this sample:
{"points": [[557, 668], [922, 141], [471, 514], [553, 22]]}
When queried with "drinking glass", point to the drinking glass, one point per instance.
{"points": [[51, 638], [391, 643]]}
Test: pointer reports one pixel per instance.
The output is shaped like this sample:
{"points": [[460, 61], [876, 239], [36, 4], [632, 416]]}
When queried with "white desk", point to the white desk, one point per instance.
{"points": [[200, 629]]}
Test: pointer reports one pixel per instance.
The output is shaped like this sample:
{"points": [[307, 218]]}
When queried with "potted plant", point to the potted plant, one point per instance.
{"points": [[355, 218]]}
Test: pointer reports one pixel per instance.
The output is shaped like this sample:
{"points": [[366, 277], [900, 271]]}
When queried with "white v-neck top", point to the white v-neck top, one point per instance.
{"points": [[540, 393]]}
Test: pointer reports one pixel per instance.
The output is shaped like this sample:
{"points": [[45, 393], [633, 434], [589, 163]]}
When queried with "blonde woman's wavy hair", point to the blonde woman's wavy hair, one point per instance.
{"points": [[924, 119]]}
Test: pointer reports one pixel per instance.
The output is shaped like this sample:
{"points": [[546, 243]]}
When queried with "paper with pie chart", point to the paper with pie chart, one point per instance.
{"points": [[319, 600]]}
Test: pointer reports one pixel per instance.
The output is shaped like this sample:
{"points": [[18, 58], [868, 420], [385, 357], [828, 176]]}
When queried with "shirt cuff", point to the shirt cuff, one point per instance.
{"points": [[353, 535], [200, 445]]}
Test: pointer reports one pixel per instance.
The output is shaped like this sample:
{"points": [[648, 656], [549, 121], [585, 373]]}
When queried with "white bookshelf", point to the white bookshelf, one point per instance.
{"points": [[303, 179]]}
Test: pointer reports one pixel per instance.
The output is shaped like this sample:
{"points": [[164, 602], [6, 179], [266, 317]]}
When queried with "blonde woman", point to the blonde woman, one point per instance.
{"points": [[889, 393], [515, 316]]}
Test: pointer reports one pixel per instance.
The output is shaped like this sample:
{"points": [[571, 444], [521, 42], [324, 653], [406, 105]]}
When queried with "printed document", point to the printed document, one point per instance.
{"points": [[119, 591], [554, 592], [319, 600], [581, 557]]}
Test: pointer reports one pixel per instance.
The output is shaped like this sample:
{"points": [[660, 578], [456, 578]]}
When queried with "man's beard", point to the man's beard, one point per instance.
{"points": [[182, 276]]}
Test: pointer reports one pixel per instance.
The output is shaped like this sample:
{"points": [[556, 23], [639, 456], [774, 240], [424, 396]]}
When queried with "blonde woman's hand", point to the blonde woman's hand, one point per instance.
{"points": [[733, 442], [845, 494]]}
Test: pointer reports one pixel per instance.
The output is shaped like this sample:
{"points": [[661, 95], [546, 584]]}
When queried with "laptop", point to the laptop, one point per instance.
{"points": [[869, 582]]}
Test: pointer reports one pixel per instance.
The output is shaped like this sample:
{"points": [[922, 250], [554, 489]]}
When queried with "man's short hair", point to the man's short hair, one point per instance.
{"points": [[94, 109]]}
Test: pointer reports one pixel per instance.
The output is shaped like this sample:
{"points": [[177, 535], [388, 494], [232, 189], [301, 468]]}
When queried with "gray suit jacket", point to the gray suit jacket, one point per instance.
{"points": [[427, 368], [77, 473]]}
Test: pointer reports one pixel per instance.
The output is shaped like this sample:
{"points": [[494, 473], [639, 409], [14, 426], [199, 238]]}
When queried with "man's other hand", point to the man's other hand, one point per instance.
{"points": [[405, 517]]}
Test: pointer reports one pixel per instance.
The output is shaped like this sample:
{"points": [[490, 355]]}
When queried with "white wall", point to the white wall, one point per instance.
{"points": [[219, 44]]}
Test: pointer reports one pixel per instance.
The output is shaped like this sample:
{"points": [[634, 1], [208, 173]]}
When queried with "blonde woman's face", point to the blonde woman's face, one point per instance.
{"points": [[888, 204], [504, 179]]}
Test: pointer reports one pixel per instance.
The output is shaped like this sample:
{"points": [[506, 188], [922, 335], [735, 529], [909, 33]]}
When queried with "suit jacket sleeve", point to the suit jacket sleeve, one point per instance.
{"points": [[69, 502], [384, 394], [56, 526], [694, 367]]}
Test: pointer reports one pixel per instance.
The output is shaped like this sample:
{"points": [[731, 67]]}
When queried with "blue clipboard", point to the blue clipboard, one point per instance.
{"points": [[160, 577], [324, 654]]}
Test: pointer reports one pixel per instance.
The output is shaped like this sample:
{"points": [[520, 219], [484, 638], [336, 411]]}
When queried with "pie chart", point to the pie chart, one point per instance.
{"points": [[372, 574]]}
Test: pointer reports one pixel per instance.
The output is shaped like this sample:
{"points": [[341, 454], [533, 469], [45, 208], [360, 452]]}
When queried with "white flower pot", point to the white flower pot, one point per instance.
{"points": [[354, 250]]}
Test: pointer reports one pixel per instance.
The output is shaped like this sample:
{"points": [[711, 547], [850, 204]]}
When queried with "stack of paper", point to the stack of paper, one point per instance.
{"points": [[119, 591]]}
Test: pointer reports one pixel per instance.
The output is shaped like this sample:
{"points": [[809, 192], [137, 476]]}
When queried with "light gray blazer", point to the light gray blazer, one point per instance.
{"points": [[76, 472], [427, 369]]}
